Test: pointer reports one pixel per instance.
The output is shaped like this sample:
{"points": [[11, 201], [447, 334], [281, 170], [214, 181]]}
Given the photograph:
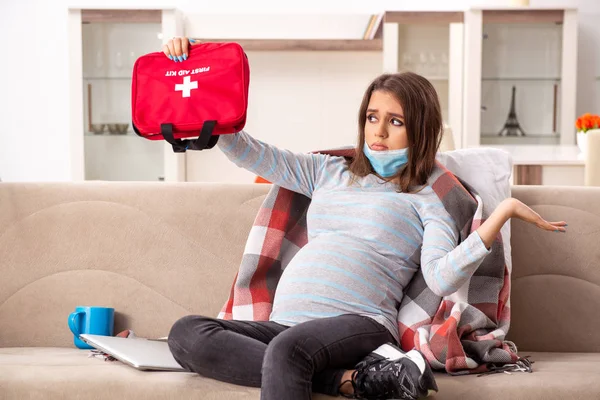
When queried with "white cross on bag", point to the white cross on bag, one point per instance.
{"points": [[186, 87]]}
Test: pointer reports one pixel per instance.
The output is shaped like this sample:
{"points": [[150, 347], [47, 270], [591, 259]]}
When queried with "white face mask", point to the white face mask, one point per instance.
{"points": [[387, 162]]}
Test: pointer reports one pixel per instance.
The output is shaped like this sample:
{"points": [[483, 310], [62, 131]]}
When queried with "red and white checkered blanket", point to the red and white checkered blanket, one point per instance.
{"points": [[461, 333]]}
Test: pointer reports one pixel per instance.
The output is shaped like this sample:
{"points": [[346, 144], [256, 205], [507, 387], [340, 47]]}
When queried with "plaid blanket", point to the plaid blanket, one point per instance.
{"points": [[461, 333]]}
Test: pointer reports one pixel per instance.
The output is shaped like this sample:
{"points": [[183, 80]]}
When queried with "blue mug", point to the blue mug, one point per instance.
{"points": [[92, 320]]}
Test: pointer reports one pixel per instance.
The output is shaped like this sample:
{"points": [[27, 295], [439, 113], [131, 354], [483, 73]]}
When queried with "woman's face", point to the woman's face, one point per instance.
{"points": [[384, 126]]}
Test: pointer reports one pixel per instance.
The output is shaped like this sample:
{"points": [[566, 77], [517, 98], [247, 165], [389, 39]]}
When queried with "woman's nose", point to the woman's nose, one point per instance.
{"points": [[381, 132]]}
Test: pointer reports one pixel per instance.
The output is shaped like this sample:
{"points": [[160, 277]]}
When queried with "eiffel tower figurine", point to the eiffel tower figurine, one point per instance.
{"points": [[511, 126]]}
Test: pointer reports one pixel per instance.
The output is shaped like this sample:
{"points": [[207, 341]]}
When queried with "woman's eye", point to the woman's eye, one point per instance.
{"points": [[371, 118], [397, 122]]}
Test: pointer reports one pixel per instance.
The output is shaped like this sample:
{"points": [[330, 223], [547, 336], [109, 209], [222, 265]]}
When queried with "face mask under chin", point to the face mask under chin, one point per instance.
{"points": [[386, 162]]}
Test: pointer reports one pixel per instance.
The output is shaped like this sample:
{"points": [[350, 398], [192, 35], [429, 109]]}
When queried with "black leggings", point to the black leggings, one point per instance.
{"points": [[286, 362]]}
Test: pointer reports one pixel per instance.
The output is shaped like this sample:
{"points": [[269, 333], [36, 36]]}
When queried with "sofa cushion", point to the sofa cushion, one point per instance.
{"points": [[556, 279], [154, 253], [58, 373]]}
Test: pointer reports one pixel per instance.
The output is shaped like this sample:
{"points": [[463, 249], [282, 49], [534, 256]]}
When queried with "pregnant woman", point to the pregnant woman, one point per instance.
{"points": [[372, 223]]}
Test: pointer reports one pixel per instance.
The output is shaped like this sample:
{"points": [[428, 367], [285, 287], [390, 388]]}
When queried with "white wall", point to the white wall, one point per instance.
{"points": [[34, 114], [34, 102]]}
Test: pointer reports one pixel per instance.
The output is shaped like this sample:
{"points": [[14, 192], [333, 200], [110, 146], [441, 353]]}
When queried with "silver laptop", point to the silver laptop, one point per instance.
{"points": [[143, 354]]}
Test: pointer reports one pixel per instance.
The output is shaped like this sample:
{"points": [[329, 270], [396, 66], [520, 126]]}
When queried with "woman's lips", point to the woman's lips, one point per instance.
{"points": [[378, 147]]}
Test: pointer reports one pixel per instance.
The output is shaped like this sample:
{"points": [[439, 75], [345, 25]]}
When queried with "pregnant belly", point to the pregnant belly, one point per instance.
{"points": [[330, 277]]}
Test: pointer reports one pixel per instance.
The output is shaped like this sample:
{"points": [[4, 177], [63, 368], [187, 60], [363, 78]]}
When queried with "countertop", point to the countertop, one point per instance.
{"points": [[567, 155]]}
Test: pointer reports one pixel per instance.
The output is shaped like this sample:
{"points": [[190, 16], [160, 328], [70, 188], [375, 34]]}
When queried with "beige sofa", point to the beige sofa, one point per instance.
{"points": [[157, 252]]}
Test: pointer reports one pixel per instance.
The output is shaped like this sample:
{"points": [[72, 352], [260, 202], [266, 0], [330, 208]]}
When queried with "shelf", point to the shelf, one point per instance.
{"points": [[107, 78], [531, 79], [306, 44], [534, 140], [522, 15], [533, 135], [130, 133], [120, 16], [424, 17]]}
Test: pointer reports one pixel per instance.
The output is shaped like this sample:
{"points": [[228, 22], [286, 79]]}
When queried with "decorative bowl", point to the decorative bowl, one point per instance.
{"points": [[97, 129], [119, 129]]}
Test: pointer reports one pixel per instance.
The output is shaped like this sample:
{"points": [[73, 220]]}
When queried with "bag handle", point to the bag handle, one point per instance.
{"points": [[206, 140]]}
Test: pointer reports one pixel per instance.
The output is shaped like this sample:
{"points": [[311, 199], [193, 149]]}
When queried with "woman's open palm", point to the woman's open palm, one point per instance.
{"points": [[525, 213]]}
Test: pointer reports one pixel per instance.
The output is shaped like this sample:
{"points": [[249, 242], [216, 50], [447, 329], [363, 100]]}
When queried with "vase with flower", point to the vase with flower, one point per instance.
{"points": [[584, 124]]}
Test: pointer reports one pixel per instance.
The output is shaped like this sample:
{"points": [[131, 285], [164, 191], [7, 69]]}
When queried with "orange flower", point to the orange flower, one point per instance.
{"points": [[587, 121]]}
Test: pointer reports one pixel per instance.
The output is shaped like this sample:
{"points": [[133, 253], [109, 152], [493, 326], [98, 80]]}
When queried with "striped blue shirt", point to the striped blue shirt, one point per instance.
{"points": [[365, 240]]}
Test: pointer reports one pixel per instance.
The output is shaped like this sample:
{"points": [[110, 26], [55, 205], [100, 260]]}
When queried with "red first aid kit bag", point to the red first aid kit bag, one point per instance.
{"points": [[201, 97]]}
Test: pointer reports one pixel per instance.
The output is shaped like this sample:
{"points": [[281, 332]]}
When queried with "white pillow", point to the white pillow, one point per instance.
{"points": [[488, 171]]}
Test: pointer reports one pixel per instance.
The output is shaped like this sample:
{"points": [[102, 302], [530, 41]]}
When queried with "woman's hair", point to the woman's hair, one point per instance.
{"points": [[423, 122]]}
